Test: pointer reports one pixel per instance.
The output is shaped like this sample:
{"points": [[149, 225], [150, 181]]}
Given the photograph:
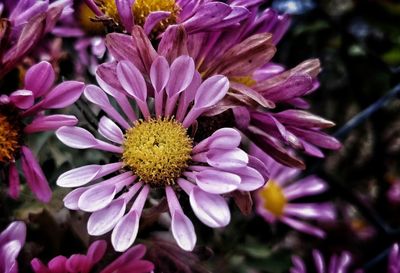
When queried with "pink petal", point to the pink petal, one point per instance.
{"points": [[124, 8], [211, 209], [211, 91], [183, 230], [131, 255], [217, 182], [83, 175], [153, 19], [159, 73], [250, 179], [132, 80], [96, 251], [181, 75], [125, 232], [110, 130], [102, 221], [40, 78], [225, 138], [35, 178], [97, 197], [23, 99], [76, 137], [50, 123], [227, 159], [63, 95], [72, 198]]}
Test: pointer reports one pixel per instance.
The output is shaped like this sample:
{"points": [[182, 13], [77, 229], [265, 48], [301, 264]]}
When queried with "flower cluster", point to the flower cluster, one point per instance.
{"points": [[189, 109]]}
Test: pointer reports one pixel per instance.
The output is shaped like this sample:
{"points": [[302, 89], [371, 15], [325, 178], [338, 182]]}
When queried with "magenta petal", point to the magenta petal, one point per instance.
{"points": [[104, 220], [83, 175], [159, 73], [209, 14], [23, 99], [9, 254], [181, 75], [132, 80], [124, 8], [131, 255], [97, 197], [40, 78], [125, 232], [63, 95], [14, 231], [57, 265], [211, 91], [35, 178], [50, 123], [110, 130], [76, 137], [14, 185], [183, 230], [96, 251], [153, 19], [217, 182], [211, 209]]}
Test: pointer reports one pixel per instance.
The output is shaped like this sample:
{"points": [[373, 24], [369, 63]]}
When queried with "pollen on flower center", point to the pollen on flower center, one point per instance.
{"points": [[157, 150], [9, 139], [273, 198], [142, 9], [84, 16]]}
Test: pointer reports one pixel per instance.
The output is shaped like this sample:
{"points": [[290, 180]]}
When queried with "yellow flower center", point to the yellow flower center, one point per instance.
{"points": [[273, 198], [9, 139], [157, 150], [245, 80], [141, 9], [84, 14]]}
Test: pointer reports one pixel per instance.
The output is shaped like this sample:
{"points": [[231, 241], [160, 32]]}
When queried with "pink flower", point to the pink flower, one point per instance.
{"points": [[21, 114], [275, 201], [156, 152], [130, 261], [12, 239]]}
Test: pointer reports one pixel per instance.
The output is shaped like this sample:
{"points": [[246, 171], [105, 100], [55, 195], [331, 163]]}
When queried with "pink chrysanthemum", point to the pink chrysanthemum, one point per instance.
{"points": [[274, 202], [12, 239], [157, 151], [21, 114], [130, 261]]}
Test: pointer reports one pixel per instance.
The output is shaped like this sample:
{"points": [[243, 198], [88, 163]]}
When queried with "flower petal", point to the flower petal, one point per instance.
{"points": [[104, 220], [76, 137], [217, 182], [35, 178], [23, 99], [50, 123], [63, 95], [40, 78], [183, 230], [97, 197], [132, 80], [83, 175], [110, 130], [125, 232], [211, 209]]}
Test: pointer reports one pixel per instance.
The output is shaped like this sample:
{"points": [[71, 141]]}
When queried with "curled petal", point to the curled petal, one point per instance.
{"points": [[23, 99]]}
